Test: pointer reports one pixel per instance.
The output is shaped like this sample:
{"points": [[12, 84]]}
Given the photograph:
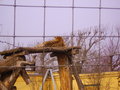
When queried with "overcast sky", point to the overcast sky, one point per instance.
{"points": [[58, 21]]}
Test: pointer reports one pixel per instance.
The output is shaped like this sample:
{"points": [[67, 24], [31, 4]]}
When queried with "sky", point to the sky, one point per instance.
{"points": [[58, 21]]}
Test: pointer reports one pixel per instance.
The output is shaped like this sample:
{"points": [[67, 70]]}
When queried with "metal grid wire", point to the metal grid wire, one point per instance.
{"points": [[44, 20], [43, 36]]}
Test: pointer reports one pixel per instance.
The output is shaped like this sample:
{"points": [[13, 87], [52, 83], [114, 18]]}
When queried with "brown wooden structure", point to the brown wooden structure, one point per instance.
{"points": [[14, 63]]}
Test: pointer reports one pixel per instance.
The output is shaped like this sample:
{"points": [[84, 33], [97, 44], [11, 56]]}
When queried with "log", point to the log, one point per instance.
{"points": [[64, 72], [77, 77], [13, 63], [9, 64], [2, 86], [8, 79], [29, 50], [11, 68], [25, 76], [74, 69]]}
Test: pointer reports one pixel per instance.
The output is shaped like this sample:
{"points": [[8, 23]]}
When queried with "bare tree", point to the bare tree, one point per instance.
{"points": [[112, 50], [89, 51]]}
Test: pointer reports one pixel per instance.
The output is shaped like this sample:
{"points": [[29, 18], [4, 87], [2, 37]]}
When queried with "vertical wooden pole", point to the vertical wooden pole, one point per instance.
{"points": [[74, 71], [64, 72], [77, 77]]}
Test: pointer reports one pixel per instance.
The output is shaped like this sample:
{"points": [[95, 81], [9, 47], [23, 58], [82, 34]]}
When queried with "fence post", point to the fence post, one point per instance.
{"points": [[64, 72]]}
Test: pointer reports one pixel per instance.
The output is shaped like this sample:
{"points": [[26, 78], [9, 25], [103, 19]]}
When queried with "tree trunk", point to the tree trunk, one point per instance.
{"points": [[64, 72], [74, 70]]}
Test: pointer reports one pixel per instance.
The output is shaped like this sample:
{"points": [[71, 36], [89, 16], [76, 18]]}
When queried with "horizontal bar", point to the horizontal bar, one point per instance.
{"points": [[51, 66], [59, 6], [58, 35]]}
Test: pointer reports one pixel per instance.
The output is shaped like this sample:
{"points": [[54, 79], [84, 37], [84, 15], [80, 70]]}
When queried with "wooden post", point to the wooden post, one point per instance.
{"points": [[74, 69], [64, 72], [77, 77]]}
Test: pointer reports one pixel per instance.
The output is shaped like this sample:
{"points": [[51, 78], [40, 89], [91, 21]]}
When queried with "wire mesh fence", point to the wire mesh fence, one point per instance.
{"points": [[30, 22], [19, 34], [92, 24]]}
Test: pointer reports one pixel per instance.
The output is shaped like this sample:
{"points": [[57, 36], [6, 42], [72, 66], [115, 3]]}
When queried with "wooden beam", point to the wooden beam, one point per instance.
{"points": [[37, 50]]}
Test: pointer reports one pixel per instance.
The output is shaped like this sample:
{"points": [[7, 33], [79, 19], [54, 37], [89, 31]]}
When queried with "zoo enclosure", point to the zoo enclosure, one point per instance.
{"points": [[26, 22]]}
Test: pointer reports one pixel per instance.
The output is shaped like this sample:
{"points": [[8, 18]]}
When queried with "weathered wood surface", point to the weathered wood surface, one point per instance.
{"points": [[62, 54], [13, 62], [10, 69], [77, 77], [38, 50], [64, 72], [74, 71]]}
